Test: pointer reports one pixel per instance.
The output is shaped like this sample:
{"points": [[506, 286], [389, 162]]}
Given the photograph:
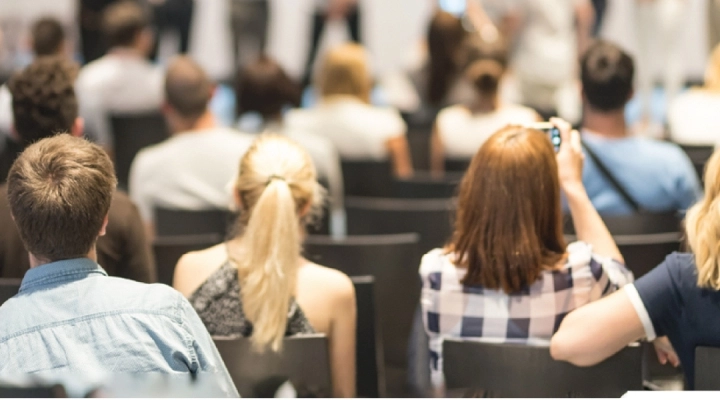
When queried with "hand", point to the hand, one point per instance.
{"points": [[665, 351], [570, 157]]}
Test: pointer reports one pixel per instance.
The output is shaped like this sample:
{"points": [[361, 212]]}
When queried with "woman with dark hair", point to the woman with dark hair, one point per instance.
{"points": [[444, 39], [462, 128], [507, 274]]}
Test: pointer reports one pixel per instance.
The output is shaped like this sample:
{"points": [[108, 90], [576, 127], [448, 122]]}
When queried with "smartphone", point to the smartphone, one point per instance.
{"points": [[551, 131]]}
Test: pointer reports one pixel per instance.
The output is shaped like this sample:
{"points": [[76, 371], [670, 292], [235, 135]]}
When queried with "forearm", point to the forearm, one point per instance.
{"points": [[437, 154], [589, 227]]}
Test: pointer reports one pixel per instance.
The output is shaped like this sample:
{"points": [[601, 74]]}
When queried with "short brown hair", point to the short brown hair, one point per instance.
{"points": [[265, 88], [48, 36], [509, 222], [43, 98], [123, 22], [345, 71], [188, 89], [59, 190]]}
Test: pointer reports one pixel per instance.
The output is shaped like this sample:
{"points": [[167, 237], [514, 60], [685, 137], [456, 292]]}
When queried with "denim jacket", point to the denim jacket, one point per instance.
{"points": [[70, 317]]}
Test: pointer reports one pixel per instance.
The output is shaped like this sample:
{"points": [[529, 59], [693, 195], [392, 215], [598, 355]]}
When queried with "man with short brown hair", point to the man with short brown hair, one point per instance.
{"points": [[70, 317]]}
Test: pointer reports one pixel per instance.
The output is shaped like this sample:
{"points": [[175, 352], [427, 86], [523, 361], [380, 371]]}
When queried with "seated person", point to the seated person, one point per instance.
{"points": [[657, 176], [123, 80], [677, 304], [70, 317], [258, 284], [461, 129], [508, 248], [358, 130], [692, 116], [191, 169], [44, 103], [263, 91]]}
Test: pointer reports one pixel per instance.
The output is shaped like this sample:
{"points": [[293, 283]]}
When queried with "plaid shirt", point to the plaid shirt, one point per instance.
{"points": [[531, 315]]}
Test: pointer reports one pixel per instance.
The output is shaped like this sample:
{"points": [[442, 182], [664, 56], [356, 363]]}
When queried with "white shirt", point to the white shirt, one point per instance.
{"points": [[358, 130], [6, 112], [119, 82], [694, 118], [462, 133], [188, 171]]}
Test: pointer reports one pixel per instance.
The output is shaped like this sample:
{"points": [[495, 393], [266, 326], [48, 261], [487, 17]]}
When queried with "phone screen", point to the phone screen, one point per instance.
{"points": [[554, 135]]}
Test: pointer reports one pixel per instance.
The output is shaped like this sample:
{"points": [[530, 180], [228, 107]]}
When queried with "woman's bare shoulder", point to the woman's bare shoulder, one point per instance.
{"points": [[195, 267], [331, 279]]}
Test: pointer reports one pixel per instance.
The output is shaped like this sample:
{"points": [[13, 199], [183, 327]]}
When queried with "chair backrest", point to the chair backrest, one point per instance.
{"points": [[169, 249], [456, 165], [636, 224], [131, 133], [642, 253], [516, 370], [698, 155], [425, 186], [32, 392], [393, 261], [170, 222], [431, 218], [707, 365], [370, 369], [8, 288], [367, 178], [304, 361]]}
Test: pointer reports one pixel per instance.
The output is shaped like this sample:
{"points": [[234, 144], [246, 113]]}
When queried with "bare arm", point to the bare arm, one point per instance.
{"points": [[437, 153], [596, 331], [400, 155], [342, 341]]}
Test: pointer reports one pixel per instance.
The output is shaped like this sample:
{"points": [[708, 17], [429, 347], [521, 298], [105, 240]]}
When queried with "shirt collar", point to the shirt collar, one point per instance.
{"points": [[60, 272]]}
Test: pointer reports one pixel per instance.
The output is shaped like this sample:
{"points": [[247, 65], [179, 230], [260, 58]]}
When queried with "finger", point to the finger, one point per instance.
{"points": [[575, 141], [674, 360]]}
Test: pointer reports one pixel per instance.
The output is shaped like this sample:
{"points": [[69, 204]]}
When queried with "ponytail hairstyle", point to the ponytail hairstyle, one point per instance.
{"points": [[278, 192], [485, 63], [702, 225]]}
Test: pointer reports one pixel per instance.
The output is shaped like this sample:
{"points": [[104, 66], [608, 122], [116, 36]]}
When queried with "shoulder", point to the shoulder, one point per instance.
{"points": [[154, 297], [521, 113], [452, 113], [681, 269], [195, 267], [433, 262], [337, 283]]}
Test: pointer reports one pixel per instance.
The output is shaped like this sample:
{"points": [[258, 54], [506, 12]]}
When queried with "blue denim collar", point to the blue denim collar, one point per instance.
{"points": [[60, 272]]}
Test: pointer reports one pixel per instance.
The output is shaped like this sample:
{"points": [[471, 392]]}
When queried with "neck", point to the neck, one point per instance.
{"points": [[205, 121], [609, 123], [485, 103], [127, 51], [36, 261]]}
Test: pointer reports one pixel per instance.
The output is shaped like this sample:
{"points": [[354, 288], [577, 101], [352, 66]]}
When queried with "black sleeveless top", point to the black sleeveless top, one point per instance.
{"points": [[219, 305]]}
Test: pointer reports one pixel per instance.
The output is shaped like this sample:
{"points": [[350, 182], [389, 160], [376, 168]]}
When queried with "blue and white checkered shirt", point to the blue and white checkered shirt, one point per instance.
{"points": [[531, 316]]}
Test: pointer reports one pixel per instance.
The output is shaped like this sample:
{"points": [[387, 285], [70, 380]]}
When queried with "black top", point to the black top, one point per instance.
{"points": [[219, 305]]}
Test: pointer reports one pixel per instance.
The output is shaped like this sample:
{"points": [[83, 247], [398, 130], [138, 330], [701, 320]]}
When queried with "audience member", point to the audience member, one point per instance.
{"points": [[48, 39], [71, 316], [461, 129], [192, 168], [651, 175], [358, 130], [91, 25], [263, 92], [677, 304], [175, 16], [249, 20], [44, 104], [123, 80], [258, 284], [508, 249], [692, 116]]}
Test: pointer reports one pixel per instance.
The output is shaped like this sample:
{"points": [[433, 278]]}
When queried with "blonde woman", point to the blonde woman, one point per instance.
{"points": [[257, 284], [359, 130], [678, 301]]}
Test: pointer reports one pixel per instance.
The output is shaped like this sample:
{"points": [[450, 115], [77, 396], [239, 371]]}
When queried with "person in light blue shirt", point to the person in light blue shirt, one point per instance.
{"points": [[658, 176], [70, 317]]}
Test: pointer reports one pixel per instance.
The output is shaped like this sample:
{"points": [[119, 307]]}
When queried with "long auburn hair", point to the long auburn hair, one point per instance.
{"points": [[508, 226]]}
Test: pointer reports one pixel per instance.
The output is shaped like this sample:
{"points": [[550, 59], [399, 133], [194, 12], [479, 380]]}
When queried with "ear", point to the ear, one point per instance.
{"points": [[630, 95], [306, 209], [103, 229], [166, 108], [14, 135], [78, 127], [237, 198]]}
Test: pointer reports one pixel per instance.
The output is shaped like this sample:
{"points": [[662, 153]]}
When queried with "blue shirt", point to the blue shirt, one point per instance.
{"points": [[70, 317], [658, 175], [673, 305]]}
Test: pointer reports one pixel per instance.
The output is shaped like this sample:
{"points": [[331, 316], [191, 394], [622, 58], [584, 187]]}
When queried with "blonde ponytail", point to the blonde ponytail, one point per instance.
{"points": [[277, 182], [702, 225]]}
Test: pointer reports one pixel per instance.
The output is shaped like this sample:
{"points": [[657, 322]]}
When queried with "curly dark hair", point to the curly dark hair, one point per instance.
{"points": [[43, 99]]}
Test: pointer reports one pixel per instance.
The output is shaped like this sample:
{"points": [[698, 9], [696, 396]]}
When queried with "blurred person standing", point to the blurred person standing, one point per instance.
{"points": [[91, 26], [249, 21], [172, 15]]}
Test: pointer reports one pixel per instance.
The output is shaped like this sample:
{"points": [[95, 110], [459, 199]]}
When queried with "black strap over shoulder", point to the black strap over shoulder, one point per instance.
{"points": [[613, 181]]}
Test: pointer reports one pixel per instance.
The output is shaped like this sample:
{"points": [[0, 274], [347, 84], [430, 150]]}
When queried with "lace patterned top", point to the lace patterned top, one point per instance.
{"points": [[219, 305]]}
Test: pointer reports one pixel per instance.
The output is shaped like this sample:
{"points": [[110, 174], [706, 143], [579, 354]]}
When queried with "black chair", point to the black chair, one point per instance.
{"points": [[698, 155], [393, 261], [132, 133], [707, 365], [370, 369], [431, 218], [367, 178], [170, 222], [304, 361], [636, 224], [9, 391], [169, 249], [642, 253], [425, 186], [516, 370], [456, 165], [8, 288]]}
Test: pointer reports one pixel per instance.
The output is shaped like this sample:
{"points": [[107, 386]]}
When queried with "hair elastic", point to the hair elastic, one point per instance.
{"points": [[274, 177]]}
